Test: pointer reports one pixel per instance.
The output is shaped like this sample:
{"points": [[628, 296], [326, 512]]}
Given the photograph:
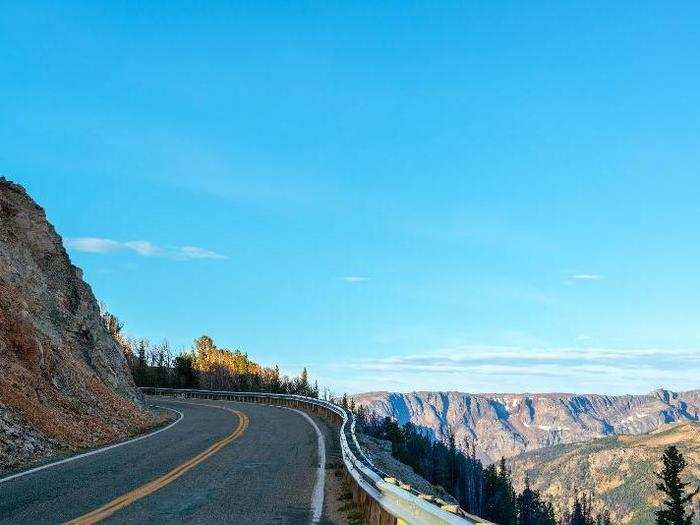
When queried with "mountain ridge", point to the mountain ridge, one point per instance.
{"points": [[508, 424]]}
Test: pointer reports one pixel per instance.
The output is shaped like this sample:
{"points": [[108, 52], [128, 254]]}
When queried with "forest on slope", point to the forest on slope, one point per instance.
{"points": [[619, 470]]}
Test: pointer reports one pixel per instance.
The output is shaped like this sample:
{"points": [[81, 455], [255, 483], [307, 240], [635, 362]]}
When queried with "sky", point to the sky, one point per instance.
{"points": [[474, 196]]}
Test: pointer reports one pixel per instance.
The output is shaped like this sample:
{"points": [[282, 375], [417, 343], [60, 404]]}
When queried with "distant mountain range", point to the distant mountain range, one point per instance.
{"points": [[618, 470], [510, 424]]}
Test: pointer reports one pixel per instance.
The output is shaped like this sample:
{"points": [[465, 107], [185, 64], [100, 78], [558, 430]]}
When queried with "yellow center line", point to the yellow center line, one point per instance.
{"points": [[157, 484]]}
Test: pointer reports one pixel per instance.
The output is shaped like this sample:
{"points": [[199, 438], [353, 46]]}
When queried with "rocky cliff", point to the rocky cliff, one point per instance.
{"points": [[64, 383], [509, 424]]}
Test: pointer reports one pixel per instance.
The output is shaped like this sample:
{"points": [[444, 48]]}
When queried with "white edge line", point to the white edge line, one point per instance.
{"points": [[317, 498], [98, 451], [319, 485]]}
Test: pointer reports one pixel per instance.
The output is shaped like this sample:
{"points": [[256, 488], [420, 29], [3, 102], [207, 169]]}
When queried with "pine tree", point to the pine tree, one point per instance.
{"points": [[674, 490], [587, 507], [509, 499], [604, 518], [303, 387], [577, 512], [532, 510], [500, 504], [141, 372], [526, 511], [547, 514], [185, 371]]}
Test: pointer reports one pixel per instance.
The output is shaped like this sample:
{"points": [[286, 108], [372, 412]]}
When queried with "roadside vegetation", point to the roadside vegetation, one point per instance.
{"points": [[347, 506], [204, 365]]}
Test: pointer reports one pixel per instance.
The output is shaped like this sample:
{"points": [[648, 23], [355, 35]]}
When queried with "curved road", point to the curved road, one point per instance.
{"points": [[222, 462]]}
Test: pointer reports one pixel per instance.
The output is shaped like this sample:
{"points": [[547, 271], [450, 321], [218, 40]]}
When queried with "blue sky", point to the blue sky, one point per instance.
{"points": [[402, 196]]}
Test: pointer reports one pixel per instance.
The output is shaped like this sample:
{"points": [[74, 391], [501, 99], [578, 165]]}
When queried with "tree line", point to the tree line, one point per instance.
{"points": [[204, 365]]}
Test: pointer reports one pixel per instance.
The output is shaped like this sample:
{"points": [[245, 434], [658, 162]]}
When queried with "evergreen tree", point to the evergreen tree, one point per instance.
{"points": [[185, 371], [141, 372], [501, 504], [582, 511], [304, 382], [526, 511], [674, 490], [532, 510], [547, 514], [577, 513]]}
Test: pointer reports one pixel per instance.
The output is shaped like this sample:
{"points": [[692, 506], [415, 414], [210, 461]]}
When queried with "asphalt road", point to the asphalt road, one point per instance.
{"points": [[243, 464]]}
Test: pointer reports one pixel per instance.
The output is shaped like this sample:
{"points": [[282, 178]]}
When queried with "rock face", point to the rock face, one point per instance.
{"points": [[64, 383], [619, 470], [509, 424]]}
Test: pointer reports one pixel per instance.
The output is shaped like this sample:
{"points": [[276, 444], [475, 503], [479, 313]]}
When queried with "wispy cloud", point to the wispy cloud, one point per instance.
{"points": [[586, 277], [140, 247], [573, 278], [144, 248], [92, 245], [495, 368], [192, 252], [354, 279]]}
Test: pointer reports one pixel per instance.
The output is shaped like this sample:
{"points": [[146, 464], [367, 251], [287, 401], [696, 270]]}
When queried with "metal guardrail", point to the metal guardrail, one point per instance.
{"points": [[398, 500]]}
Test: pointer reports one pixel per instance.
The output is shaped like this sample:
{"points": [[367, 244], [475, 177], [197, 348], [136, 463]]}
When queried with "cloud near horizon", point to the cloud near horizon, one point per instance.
{"points": [[140, 247], [514, 368]]}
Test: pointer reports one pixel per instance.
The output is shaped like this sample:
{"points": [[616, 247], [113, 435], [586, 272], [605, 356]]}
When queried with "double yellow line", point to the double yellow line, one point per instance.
{"points": [[157, 484]]}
